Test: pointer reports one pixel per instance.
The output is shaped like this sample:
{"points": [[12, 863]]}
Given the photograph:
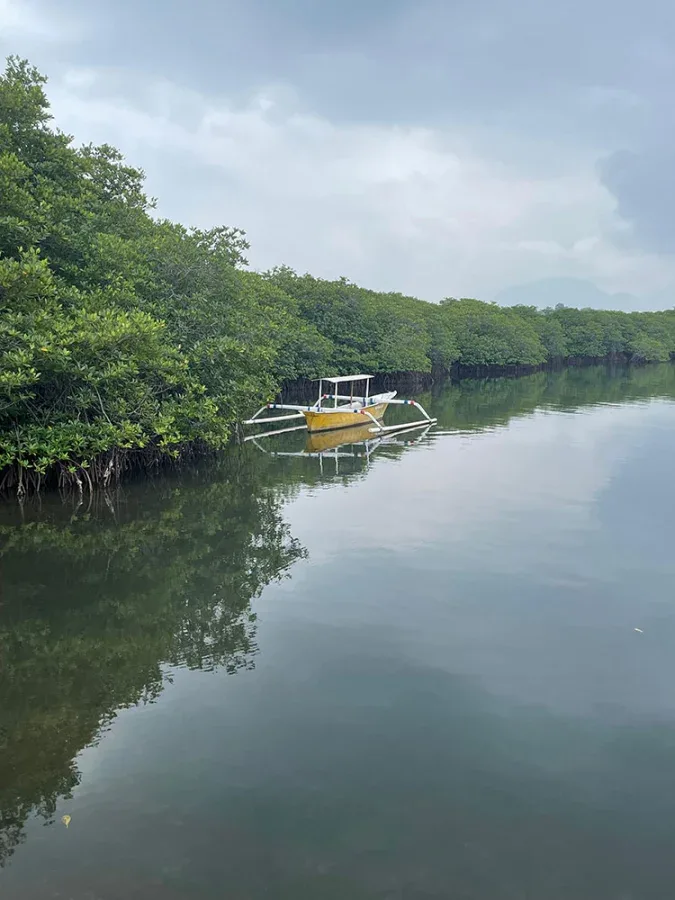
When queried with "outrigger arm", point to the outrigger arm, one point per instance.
{"points": [[381, 429], [254, 420]]}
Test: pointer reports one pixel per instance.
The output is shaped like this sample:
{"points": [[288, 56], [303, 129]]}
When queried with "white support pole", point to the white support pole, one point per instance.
{"points": [[378, 427], [249, 421], [266, 434], [299, 406], [402, 426], [255, 421], [405, 426], [415, 404], [422, 410]]}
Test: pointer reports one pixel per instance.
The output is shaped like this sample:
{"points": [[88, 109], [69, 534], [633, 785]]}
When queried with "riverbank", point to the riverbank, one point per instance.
{"points": [[305, 388], [452, 399]]}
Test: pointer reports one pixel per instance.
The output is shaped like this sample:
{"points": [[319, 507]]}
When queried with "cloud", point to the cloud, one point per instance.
{"points": [[423, 146], [527, 65], [396, 207], [21, 20], [644, 185]]}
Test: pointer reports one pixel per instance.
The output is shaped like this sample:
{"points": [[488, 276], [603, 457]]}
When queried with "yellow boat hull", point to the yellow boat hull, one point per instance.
{"points": [[329, 421]]}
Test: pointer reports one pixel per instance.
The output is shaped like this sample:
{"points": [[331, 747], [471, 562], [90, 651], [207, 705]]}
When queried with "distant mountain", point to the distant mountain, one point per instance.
{"points": [[662, 300], [570, 292]]}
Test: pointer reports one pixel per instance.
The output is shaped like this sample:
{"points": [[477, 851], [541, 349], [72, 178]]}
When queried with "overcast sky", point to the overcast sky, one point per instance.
{"points": [[433, 147]]}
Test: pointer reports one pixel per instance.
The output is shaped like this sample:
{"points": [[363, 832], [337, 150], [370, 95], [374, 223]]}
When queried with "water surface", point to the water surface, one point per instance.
{"points": [[412, 674]]}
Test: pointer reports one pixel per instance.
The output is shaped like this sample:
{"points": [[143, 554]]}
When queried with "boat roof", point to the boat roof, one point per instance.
{"points": [[337, 379]]}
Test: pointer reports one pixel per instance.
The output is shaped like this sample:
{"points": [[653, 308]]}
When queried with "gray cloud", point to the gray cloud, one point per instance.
{"points": [[443, 148], [644, 185], [397, 60]]}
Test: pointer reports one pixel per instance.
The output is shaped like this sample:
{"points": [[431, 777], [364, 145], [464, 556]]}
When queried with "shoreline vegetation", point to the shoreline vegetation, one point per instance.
{"points": [[127, 340]]}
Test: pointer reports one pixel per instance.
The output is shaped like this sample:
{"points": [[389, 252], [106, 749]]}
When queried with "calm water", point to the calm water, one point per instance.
{"points": [[415, 677]]}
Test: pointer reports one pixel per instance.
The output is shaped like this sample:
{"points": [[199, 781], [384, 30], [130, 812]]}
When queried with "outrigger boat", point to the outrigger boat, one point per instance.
{"points": [[346, 410]]}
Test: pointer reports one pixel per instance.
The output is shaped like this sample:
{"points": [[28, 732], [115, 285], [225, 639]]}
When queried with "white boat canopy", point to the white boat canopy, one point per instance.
{"points": [[338, 379]]}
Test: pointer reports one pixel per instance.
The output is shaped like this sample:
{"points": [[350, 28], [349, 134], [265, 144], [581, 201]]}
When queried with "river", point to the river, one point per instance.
{"points": [[442, 669]]}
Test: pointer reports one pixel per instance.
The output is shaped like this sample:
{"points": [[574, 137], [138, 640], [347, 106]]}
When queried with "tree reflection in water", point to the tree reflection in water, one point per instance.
{"points": [[97, 604]]}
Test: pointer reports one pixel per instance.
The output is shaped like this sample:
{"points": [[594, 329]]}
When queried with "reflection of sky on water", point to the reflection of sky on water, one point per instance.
{"points": [[449, 695], [522, 551], [438, 491]]}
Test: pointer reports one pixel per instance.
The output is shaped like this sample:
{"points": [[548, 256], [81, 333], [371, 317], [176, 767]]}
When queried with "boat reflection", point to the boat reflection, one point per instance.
{"points": [[357, 443], [322, 441]]}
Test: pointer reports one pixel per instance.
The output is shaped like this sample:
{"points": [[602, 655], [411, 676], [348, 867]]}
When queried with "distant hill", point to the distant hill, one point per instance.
{"points": [[570, 292]]}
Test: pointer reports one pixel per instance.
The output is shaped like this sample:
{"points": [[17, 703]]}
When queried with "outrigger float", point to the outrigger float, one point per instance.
{"points": [[346, 411]]}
